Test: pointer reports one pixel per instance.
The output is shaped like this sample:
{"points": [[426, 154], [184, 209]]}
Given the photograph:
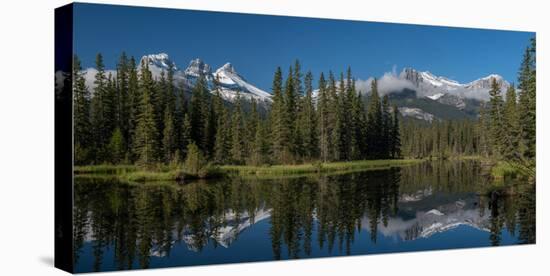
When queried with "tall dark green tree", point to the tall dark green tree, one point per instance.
{"points": [[82, 125], [334, 111], [496, 113], [387, 126], [238, 150], [290, 148], [277, 117], [395, 150], [197, 114], [527, 100], [100, 133], [510, 148], [374, 123], [146, 130], [308, 121], [123, 102], [134, 101], [323, 112]]}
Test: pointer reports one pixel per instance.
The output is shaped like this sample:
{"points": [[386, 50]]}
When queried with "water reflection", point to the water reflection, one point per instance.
{"points": [[426, 206]]}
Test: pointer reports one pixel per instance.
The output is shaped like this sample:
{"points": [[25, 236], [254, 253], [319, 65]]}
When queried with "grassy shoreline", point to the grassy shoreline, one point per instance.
{"points": [[166, 172]]}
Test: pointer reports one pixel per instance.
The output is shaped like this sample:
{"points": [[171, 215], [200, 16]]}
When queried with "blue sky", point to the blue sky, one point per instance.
{"points": [[257, 44]]}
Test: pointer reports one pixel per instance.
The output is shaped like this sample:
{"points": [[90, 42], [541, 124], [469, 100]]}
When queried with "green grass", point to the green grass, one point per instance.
{"points": [[105, 169], [134, 173], [310, 168], [504, 169]]}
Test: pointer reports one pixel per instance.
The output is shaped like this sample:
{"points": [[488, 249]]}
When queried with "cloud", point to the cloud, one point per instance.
{"points": [[89, 76], [388, 83]]}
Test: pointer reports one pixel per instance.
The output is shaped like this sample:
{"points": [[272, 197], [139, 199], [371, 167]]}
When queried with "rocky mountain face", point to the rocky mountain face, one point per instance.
{"points": [[426, 97], [230, 82], [464, 97]]}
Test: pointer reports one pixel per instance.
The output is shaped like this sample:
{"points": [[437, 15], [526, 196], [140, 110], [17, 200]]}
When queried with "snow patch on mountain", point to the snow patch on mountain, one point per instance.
{"points": [[231, 83], [429, 85], [436, 96], [416, 113]]}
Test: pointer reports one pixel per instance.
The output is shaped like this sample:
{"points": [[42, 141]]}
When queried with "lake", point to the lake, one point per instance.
{"points": [[426, 206]]}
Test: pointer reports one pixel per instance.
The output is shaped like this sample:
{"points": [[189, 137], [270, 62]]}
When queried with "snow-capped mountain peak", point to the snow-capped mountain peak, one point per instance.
{"points": [[448, 91], [228, 67], [197, 67], [160, 61], [231, 82]]}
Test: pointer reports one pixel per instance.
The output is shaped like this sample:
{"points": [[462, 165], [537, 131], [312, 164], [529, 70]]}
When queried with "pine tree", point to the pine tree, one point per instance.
{"points": [[195, 161], [527, 101], [221, 141], [238, 153], [333, 125], [339, 134], [511, 126], [146, 131], [134, 101], [186, 131], [82, 124], [197, 114], [395, 134], [374, 123], [358, 144], [98, 119], [116, 147], [256, 131], [323, 119], [289, 136], [169, 143], [123, 102], [277, 117], [308, 121], [496, 106], [387, 126]]}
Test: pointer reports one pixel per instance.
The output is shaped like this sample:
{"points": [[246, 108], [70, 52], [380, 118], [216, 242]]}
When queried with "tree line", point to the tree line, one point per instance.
{"points": [[510, 123], [133, 118], [504, 130]]}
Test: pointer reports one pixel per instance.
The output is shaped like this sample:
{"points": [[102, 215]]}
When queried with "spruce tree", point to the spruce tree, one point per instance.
{"points": [[308, 120], [395, 134], [374, 123], [323, 119], [221, 141], [510, 148], [146, 131], [334, 111], [116, 147], [527, 101], [122, 105], [169, 142], [359, 127], [277, 115], [197, 114], [238, 153], [387, 126], [496, 114], [289, 137], [81, 107], [100, 135], [134, 101]]}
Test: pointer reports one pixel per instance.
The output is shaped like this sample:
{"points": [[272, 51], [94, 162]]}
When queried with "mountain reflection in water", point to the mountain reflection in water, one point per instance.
{"points": [[427, 206]]}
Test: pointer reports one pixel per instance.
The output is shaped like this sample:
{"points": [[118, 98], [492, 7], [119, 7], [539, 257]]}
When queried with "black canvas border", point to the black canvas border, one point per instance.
{"points": [[64, 139]]}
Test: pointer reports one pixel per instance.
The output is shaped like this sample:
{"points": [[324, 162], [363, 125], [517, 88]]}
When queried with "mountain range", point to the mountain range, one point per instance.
{"points": [[418, 94]]}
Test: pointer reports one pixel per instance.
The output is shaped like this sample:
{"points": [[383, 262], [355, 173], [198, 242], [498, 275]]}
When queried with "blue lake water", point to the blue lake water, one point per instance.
{"points": [[429, 206]]}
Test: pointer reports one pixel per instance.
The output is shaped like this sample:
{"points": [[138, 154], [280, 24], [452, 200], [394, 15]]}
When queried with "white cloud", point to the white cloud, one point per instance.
{"points": [[388, 83]]}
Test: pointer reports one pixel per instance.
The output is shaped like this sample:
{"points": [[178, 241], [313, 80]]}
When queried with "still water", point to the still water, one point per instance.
{"points": [[435, 205]]}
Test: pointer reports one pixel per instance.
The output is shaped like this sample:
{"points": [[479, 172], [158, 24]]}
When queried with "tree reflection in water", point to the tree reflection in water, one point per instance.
{"points": [[140, 221]]}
